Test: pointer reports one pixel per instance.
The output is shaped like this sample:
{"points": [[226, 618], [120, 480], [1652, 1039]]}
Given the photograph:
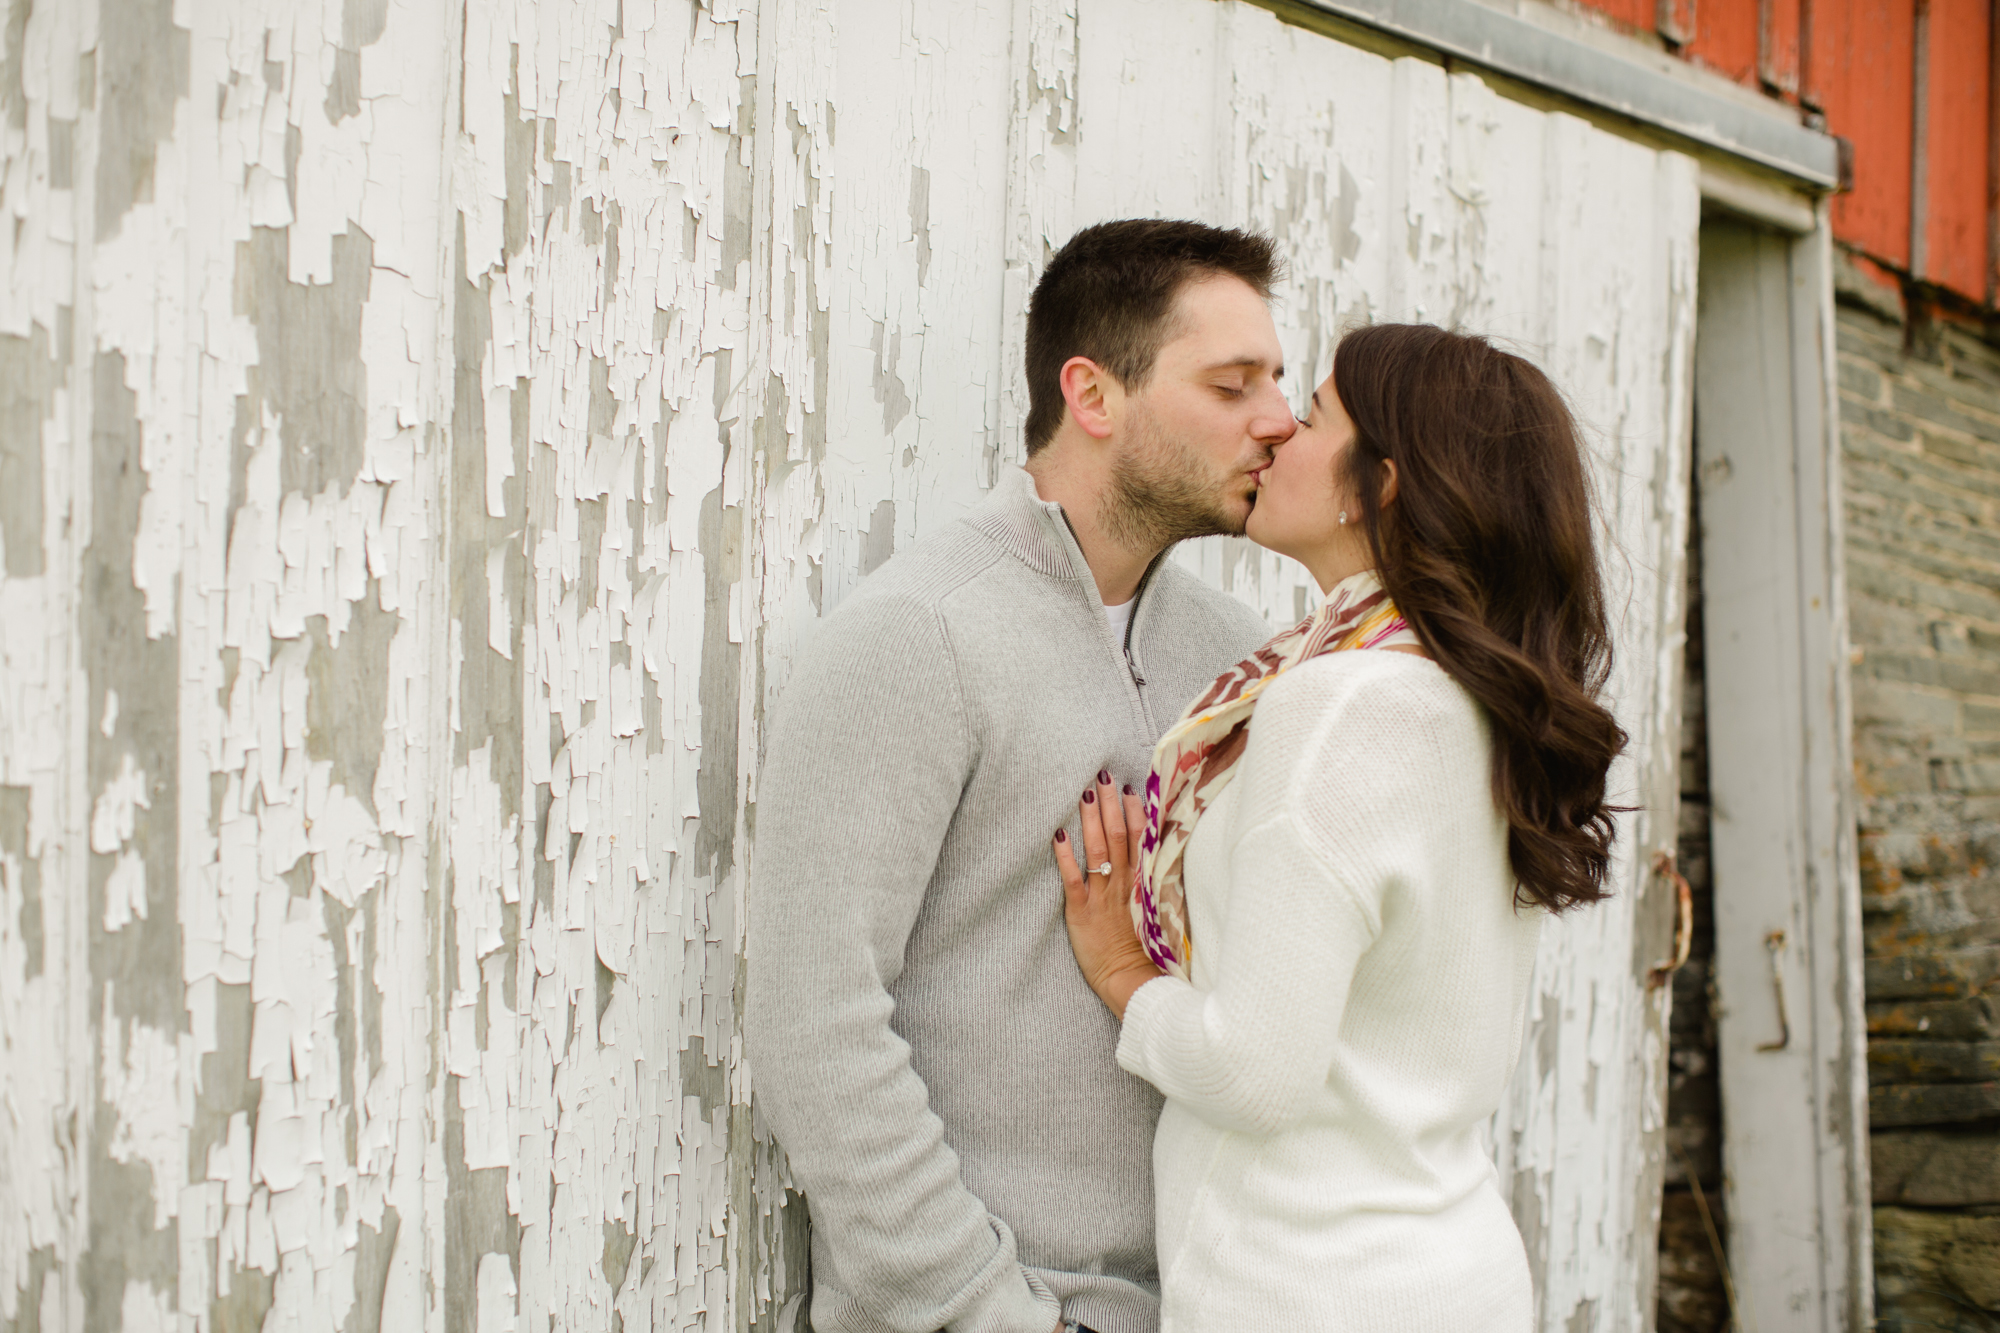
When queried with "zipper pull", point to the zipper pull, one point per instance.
{"points": [[1133, 667]]}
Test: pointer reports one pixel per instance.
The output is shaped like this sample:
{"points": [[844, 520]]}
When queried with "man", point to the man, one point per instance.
{"points": [[939, 1074]]}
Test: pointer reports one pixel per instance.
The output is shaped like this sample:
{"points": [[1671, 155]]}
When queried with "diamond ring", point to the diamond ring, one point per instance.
{"points": [[1104, 869]]}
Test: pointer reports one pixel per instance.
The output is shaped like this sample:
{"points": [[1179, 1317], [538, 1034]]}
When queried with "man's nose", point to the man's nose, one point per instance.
{"points": [[1275, 424]]}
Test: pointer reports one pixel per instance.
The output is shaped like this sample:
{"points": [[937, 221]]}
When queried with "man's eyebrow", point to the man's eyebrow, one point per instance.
{"points": [[1247, 362]]}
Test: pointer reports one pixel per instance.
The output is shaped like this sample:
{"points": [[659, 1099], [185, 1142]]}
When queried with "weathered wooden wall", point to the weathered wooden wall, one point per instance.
{"points": [[427, 430]]}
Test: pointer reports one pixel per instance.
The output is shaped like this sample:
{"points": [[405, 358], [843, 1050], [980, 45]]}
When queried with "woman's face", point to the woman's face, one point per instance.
{"points": [[1301, 494]]}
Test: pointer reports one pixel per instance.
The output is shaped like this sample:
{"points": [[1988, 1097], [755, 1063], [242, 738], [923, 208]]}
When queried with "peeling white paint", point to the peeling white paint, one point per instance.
{"points": [[448, 420]]}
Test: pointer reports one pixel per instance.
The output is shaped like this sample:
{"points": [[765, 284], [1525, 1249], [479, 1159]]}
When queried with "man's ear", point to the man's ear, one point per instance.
{"points": [[1092, 395]]}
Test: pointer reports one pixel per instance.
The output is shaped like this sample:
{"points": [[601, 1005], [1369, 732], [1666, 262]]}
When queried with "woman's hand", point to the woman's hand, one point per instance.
{"points": [[1097, 896]]}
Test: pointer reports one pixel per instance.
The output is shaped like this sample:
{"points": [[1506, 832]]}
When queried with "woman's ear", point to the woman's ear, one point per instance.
{"points": [[1388, 482]]}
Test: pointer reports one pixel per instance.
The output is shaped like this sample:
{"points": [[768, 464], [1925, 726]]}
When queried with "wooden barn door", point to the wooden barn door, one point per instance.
{"points": [[1787, 988]]}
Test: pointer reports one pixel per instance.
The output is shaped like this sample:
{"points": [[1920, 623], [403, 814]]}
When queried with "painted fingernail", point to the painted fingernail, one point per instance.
{"points": [[1090, 798], [1062, 835], [1129, 791], [1103, 777]]}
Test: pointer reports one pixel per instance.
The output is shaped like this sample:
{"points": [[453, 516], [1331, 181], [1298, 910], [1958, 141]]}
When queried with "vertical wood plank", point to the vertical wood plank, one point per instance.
{"points": [[47, 144], [1579, 1140], [1042, 136], [1959, 70], [1862, 66]]}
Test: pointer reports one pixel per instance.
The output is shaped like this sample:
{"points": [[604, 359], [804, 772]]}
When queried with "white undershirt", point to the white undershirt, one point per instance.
{"points": [[1120, 617]]}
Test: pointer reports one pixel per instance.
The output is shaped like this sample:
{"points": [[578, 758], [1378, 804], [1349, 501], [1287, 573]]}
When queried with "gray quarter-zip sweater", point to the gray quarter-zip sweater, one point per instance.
{"points": [[944, 1083]]}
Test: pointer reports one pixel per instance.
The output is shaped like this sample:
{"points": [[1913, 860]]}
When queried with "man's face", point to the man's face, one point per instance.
{"points": [[1195, 436]]}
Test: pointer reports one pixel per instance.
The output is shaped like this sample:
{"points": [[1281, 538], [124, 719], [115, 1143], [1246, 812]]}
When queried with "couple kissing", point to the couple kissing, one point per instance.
{"points": [[1117, 966]]}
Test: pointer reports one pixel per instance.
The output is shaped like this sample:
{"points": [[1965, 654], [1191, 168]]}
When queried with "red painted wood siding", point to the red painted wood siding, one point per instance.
{"points": [[1778, 46], [1725, 39], [1863, 68], [1960, 121], [1638, 14], [1855, 60]]}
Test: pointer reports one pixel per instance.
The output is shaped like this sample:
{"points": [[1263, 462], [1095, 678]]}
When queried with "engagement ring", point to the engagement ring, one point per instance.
{"points": [[1104, 869]]}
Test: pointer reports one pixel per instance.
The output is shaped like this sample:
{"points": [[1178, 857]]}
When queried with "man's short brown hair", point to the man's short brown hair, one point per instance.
{"points": [[1109, 295]]}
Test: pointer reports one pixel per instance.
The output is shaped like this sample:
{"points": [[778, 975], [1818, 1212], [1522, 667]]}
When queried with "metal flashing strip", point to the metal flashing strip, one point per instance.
{"points": [[1506, 45]]}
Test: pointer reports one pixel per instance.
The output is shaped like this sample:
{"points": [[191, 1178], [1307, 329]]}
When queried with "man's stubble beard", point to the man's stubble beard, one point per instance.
{"points": [[1163, 491]]}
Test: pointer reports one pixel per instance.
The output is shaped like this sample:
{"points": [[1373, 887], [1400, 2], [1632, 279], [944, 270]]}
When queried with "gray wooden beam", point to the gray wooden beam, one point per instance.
{"points": [[1493, 40]]}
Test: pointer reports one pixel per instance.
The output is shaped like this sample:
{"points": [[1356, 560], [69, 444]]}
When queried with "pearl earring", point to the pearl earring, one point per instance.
{"points": [[1343, 518]]}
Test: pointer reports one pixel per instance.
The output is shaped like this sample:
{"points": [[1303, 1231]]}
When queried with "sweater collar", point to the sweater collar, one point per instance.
{"points": [[1030, 528]]}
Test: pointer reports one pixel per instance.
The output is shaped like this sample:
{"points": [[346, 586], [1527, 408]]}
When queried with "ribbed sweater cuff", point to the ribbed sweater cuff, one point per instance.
{"points": [[1141, 1014], [1017, 1303]]}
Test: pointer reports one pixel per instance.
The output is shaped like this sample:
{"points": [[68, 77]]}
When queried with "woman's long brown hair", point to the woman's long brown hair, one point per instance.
{"points": [[1488, 552]]}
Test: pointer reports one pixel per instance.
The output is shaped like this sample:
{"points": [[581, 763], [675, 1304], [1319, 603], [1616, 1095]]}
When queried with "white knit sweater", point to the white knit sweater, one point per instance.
{"points": [[1359, 984]]}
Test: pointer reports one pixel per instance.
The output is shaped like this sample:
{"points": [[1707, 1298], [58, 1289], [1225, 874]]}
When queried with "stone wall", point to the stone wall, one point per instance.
{"points": [[1920, 410]]}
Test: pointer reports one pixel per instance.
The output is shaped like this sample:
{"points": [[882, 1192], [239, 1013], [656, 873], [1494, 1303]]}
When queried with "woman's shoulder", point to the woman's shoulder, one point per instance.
{"points": [[1369, 709], [1355, 747], [1371, 683]]}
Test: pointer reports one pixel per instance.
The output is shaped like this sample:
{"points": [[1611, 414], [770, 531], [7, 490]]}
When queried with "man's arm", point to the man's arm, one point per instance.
{"points": [[868, 755]]}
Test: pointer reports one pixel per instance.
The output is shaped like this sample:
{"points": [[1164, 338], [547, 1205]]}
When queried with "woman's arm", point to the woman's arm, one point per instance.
{"points": [[1330, 812], [1248, 1054]]}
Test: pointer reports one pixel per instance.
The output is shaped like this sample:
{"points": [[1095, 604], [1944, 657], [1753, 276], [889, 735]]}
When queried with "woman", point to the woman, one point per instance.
{"points": [[1319, 927]]}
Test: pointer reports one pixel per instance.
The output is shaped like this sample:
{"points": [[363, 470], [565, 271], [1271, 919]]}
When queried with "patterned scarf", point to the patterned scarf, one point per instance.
{"points": [[1198, 755]]}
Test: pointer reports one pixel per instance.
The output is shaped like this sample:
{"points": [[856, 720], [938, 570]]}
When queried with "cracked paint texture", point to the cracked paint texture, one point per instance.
{"points": [[429, 433]]}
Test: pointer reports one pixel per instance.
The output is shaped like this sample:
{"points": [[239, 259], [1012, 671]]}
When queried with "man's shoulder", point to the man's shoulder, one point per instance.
{"points": [[925, 574], [904, 604], [1205, 610]]}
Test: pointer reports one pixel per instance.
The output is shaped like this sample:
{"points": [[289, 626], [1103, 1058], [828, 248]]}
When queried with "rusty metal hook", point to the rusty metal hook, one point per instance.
{"points": [[1663, 971], [1774, 944]]}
